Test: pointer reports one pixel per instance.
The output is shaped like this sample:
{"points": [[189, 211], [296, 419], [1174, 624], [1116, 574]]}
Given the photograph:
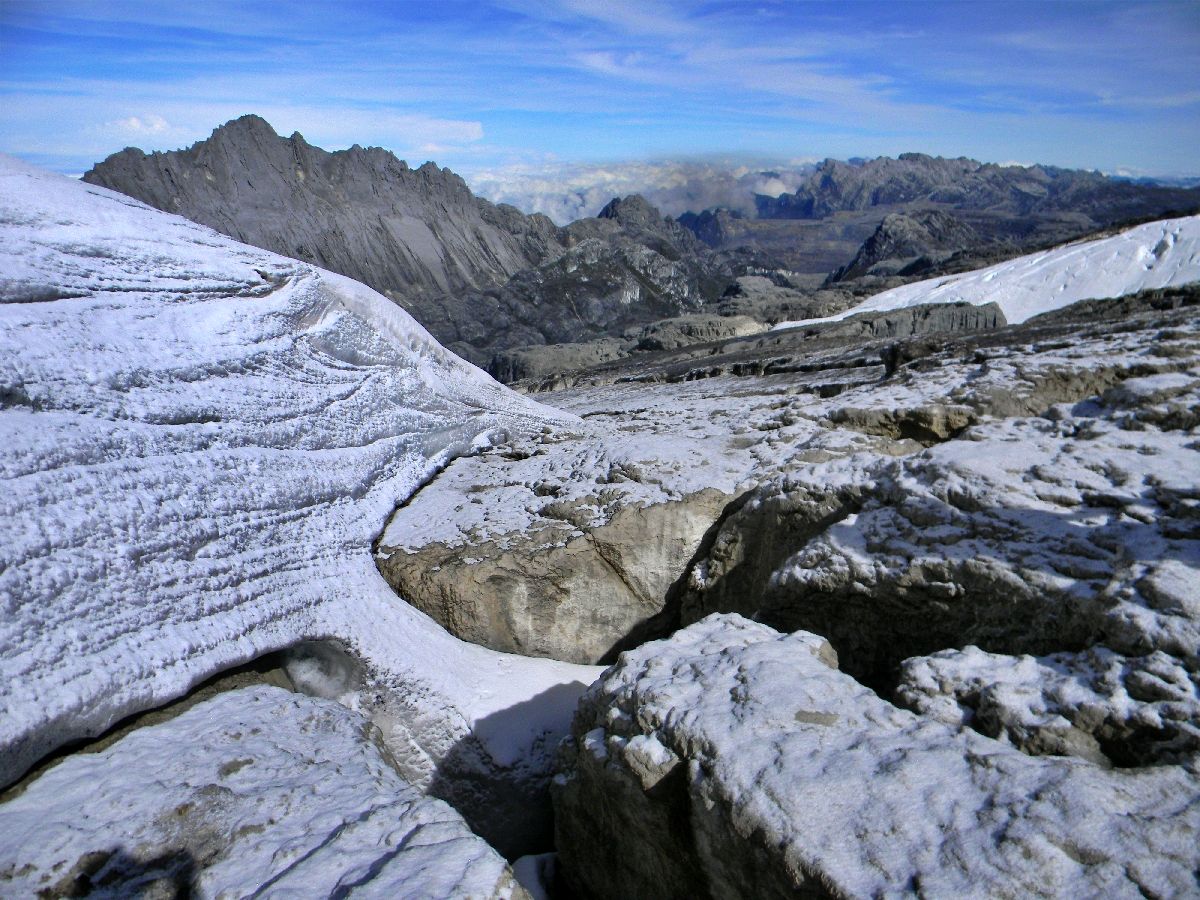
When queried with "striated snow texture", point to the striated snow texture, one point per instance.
{"points": [[199, 441], [1154, 255], [747, 765], [256, 790]]}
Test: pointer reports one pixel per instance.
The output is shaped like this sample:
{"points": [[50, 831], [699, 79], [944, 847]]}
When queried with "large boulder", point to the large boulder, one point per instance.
{"points": [[734, 761]]}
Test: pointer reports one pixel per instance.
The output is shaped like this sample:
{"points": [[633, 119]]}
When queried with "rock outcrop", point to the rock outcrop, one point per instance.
{"points": [[540, 361], [671, 334], [906, 241], [734, 761], [573, 589], [481, 278]]}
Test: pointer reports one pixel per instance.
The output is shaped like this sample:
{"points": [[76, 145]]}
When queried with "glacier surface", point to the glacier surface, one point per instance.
{"points": [[200, 442]]}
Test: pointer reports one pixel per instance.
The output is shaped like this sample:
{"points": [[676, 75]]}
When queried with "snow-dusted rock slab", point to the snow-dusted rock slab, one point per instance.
{"points": [[1154, 255], [563, 545], [198, 443], [256, 790], [733, 761], [1025, 535], [1095, 703]]}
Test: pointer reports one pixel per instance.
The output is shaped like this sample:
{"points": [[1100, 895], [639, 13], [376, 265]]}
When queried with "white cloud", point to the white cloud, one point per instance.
{"points": [[566, 191], [136, 125]]}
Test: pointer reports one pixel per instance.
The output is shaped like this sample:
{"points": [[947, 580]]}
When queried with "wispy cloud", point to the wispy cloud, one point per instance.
{"points": [[489, 83]]}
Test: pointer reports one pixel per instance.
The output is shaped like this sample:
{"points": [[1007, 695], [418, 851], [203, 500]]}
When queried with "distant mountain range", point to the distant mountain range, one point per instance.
{"points": [[1013, 209], [485, 278]]}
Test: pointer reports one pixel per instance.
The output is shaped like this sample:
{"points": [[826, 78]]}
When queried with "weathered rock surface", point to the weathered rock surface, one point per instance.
{"points": [[671, 334], [903, 240], [734, 761], [570, 590], [542, 360], [1096, 704], [256, 790], [1027, 535]]}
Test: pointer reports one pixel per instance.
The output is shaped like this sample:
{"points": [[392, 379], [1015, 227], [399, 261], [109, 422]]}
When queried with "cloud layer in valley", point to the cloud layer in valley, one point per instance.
{"points": [[566, 192]]}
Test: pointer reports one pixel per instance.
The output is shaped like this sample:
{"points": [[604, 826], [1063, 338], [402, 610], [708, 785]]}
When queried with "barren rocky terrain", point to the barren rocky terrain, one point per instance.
{"points": [[900, 598]]}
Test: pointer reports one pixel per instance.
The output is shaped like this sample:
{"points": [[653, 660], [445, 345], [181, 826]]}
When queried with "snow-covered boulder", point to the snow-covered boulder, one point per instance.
{"points": [[1094, 703], [1154, 255], [733, 761], [257, 789], [199, 442], [1023, 535]]}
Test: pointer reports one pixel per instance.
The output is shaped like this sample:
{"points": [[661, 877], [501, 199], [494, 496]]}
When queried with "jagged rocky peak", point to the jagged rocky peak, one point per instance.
{"points": [[904, 238], [965, 183], [412, 234], [632, 210], [473, 273], [248, 125]]}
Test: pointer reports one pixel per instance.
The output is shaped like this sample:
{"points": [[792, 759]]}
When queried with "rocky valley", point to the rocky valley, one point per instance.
{"points": [[851, 550]]}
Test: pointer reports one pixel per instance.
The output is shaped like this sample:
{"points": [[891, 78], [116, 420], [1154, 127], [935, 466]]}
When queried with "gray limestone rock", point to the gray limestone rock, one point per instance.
{"points": [[569, 588], [671, 334], [481, 277], [734, 761], [542, 360]]}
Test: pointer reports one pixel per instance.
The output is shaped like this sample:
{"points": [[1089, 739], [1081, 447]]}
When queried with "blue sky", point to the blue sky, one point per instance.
{"points": [[477, 85]]}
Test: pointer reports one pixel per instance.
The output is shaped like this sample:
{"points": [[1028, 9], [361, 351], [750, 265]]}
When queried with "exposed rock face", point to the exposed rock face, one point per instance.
{"points": [[902, 240], [623, 269], [967, 184], [541, 360], [571, 590], [998, 211], [422, 238], [734, 761], [360, 212], [671, 334], [256, 789]]}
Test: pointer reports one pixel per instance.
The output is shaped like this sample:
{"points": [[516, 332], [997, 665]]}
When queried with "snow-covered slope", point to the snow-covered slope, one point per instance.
{"points": [[256, 789], [1154, 255], [198, 442]]}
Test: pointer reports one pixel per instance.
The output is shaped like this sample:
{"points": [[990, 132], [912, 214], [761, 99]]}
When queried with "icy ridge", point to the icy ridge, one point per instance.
{"points": [[201, 440], [1154, 255]]}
